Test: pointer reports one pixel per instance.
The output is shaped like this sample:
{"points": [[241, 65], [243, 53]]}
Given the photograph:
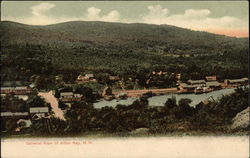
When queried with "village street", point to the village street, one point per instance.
{"points": [[50, 98]]}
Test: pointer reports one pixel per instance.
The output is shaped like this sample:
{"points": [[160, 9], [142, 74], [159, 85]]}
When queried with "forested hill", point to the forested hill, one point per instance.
{"points": [[165, 38], [117, 48]]}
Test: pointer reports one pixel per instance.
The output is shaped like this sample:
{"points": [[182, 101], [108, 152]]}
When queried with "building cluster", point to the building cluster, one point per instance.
{"points": [[199, 86], [90, 78], [209, 84], [17, 88], [37, 112], [24, 118], [22, 90], [85, 78]]}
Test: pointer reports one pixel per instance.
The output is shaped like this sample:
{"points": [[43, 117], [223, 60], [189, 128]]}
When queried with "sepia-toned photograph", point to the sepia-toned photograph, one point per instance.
{"points": [[125, 79]]}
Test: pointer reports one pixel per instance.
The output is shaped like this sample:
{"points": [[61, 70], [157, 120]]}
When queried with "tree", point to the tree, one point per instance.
{"points": [[9, 125], [37, 101], [171, 103], [87, 92], [185, 108], [103, 78]]}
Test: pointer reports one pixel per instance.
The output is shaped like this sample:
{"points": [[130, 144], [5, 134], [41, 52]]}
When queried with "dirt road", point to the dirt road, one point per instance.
{"points": [[50, 98]]}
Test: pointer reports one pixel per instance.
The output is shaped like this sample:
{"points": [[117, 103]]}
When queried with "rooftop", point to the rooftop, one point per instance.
{"points": [[21, 88], [39, 109], [212, 83], [14, 113], [67, 93], [196, 81], [12, 84], [238, 80], [14, 88], [89, 75], [211, 78], [6, 88]]}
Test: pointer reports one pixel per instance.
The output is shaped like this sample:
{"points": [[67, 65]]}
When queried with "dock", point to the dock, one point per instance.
{"points": [[137, 93]]}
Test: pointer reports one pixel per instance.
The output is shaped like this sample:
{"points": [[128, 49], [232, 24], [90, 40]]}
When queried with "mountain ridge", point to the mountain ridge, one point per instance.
{"points": [[165, 38], [79, 21]]}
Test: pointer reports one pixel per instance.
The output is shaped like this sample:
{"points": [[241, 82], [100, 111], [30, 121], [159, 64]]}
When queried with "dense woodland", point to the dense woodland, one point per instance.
{"points": [[39, 53]]}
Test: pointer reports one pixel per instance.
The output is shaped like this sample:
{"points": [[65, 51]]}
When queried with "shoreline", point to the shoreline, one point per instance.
{"points": [[162, 91]]}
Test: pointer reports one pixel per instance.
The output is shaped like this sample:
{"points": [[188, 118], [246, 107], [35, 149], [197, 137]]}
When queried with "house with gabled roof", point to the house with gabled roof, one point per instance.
{"points": [[70, 97], [85, 78], [39, 111], [236, 82]]}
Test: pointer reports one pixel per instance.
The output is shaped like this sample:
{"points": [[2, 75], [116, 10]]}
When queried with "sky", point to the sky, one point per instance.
{"points": [[221, 17]]}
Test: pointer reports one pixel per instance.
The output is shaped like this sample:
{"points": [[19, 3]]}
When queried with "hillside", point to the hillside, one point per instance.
{"points": [[169, 39], [117, 48]]}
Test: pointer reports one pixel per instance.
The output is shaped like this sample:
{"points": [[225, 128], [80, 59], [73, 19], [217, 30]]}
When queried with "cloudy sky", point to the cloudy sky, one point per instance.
{"points": [[225, 17]]}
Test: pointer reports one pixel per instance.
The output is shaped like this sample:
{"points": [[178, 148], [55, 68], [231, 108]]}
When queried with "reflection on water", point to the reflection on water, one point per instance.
{"points": [[160, 100], [196, 98]]}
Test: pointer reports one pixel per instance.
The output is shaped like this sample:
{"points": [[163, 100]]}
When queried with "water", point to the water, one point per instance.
{"points": [[196, 98], [160, 100]]}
